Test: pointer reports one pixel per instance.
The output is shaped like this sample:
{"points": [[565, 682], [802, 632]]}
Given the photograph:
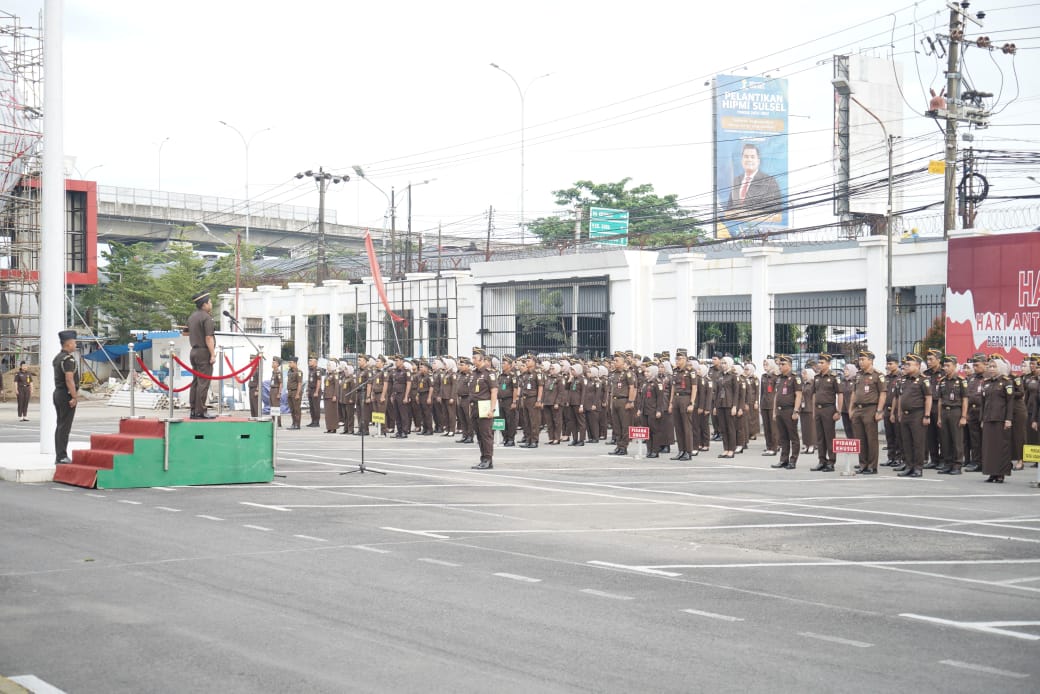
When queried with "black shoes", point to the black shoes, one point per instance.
{"points": [[972, 467], [683, 455], [769, 453], [509, 444], [484, 464], [619, 451], [950, 471], [779, 465], [931, 465], [822, 467], [870, 471], [911, 472], [63, 461], [655, 454]]}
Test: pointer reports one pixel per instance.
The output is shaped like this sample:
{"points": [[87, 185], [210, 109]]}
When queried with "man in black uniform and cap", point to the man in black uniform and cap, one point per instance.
{"points": [[203, 353], [66, 393]]}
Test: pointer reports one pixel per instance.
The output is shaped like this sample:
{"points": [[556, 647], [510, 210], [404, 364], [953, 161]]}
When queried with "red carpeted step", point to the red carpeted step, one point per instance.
{"points": [[95, 458], [123, 443], [77, 475], [150, 428]]}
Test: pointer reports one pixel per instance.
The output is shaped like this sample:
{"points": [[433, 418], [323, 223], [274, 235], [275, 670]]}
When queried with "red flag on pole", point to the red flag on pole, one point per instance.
{"points": [[377, 278]]}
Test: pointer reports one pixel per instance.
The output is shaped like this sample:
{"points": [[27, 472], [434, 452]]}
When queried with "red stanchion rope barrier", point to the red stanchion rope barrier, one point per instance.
{"points": [[251, 365], [155, 379], [232, 367]]}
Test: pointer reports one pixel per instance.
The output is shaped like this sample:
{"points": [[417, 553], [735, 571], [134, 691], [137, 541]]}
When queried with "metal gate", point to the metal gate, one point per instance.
{"points": [[551, 317], [723, 325], [836, 322]]}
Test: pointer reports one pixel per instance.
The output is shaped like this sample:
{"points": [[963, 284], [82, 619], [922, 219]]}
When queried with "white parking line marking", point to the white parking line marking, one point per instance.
{"points": [[714, 615], [605, 594], [985, 668], [439, 562], [127, 501], [422, 533], [201, 515], [167, 508], [267, 506], [842, 562], [518, 577], [96, 496], [1015, 581], [258, 527], [984, 627], [637, 569], [164, 489], [311, 537], [61, 489], [835, 639], [371, 549]]}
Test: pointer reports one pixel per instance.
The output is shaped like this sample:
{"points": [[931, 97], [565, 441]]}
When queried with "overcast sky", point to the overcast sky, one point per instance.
{"points": [[405, 89]]}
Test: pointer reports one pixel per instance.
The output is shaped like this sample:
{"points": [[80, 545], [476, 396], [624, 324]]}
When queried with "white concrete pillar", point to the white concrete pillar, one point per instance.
{"points": [[634, 322], [762, 332], [877, 294], [685, 303], [300, 321], [336, 290]]}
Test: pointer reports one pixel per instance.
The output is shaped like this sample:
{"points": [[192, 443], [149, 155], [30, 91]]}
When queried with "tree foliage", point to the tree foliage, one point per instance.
{"points": [[150, 289], [654, 220]]}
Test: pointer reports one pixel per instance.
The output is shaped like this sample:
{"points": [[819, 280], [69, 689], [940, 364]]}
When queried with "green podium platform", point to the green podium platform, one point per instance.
{"points": [[193, 452]]}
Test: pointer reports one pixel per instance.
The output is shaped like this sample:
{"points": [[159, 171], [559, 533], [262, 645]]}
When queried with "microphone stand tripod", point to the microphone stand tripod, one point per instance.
{"points": [[363, 384]]}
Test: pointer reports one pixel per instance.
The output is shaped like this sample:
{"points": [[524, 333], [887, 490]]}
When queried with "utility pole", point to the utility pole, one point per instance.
{"points": [[491, 222], [322, 178], [393, 233], [577, 229], [953, 86], [408, 242]]}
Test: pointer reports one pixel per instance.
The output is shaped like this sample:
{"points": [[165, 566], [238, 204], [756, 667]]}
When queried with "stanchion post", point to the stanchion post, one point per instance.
{"points": [[260, 384], [173, 378], [132, 379], [220, 381]]}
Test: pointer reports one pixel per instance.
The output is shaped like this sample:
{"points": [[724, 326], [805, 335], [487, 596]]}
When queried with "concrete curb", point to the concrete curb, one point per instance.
{"points": [[10, 687]]}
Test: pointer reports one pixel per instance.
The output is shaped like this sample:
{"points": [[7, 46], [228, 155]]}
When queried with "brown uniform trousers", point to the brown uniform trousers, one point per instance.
{"points": [[864, 428]]}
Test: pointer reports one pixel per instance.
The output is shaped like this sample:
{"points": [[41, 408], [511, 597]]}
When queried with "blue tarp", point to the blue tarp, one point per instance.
{"points": [[115, 351]]}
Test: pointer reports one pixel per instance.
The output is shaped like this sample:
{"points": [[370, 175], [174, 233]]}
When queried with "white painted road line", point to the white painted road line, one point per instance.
{"points": [[518, 577], [985, 627], [167, 508], [714, 615], [371, 549], [605, 594], [61, 489], [214, 518], [256, 527], [1016, 581], [164, 489], [311, 537], [96, 496], [835, 639], [421, 533], [439, 562], [637, 569], [267, 506], [985, 668], [127, 501]]}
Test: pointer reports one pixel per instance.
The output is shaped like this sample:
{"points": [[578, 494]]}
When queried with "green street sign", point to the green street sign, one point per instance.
{"points": [[607, 226], [498, 425]]}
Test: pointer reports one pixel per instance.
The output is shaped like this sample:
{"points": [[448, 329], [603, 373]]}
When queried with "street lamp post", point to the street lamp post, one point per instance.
{"points": [[158, 182], [408, 242], [322, 178], [843, 88], [523, 97], [245, 143]]}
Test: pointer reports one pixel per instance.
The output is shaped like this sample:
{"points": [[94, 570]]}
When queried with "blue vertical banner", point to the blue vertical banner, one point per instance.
{"points": [[751, 155]]}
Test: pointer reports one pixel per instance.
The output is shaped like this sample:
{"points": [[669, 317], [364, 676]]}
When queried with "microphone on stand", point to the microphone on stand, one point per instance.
{"points": [[230, 317]]}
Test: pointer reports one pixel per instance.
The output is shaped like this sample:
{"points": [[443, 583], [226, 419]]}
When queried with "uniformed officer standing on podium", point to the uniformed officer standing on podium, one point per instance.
{"points": [[66, 393], [485, 389], [203, 353]]}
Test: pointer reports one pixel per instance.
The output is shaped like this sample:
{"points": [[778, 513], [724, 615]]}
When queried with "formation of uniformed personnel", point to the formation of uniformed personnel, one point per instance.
{"points": [[484, 383], [314, 391], [806, 416], [976, 385], [203, 354], [66, 393], [294, 391], [622, 386], [276, 389], [254, 391], [787, 401], [826, 406], [330, 390], [684, 394], [893, 438], [913, 408], [998, 406], [953, 416], [23, 385], [767, 392], [933, 372], [866, 409]]}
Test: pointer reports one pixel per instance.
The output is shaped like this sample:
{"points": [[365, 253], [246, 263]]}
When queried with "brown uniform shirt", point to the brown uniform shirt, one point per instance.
{"points": [[200, 326], [868, 387], [826, 388]]}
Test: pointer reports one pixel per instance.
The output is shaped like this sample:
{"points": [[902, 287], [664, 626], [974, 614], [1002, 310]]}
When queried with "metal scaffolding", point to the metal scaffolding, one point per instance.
{"points": [[21, 96]]}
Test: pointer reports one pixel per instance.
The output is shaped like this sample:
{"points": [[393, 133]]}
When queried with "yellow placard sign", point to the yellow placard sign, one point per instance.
{"points": [[379, 418], [936, 166], [1031, 454]]}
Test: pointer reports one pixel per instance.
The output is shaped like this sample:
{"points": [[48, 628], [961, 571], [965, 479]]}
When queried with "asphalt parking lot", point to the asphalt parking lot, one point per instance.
{"points": [[563, 569]]}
